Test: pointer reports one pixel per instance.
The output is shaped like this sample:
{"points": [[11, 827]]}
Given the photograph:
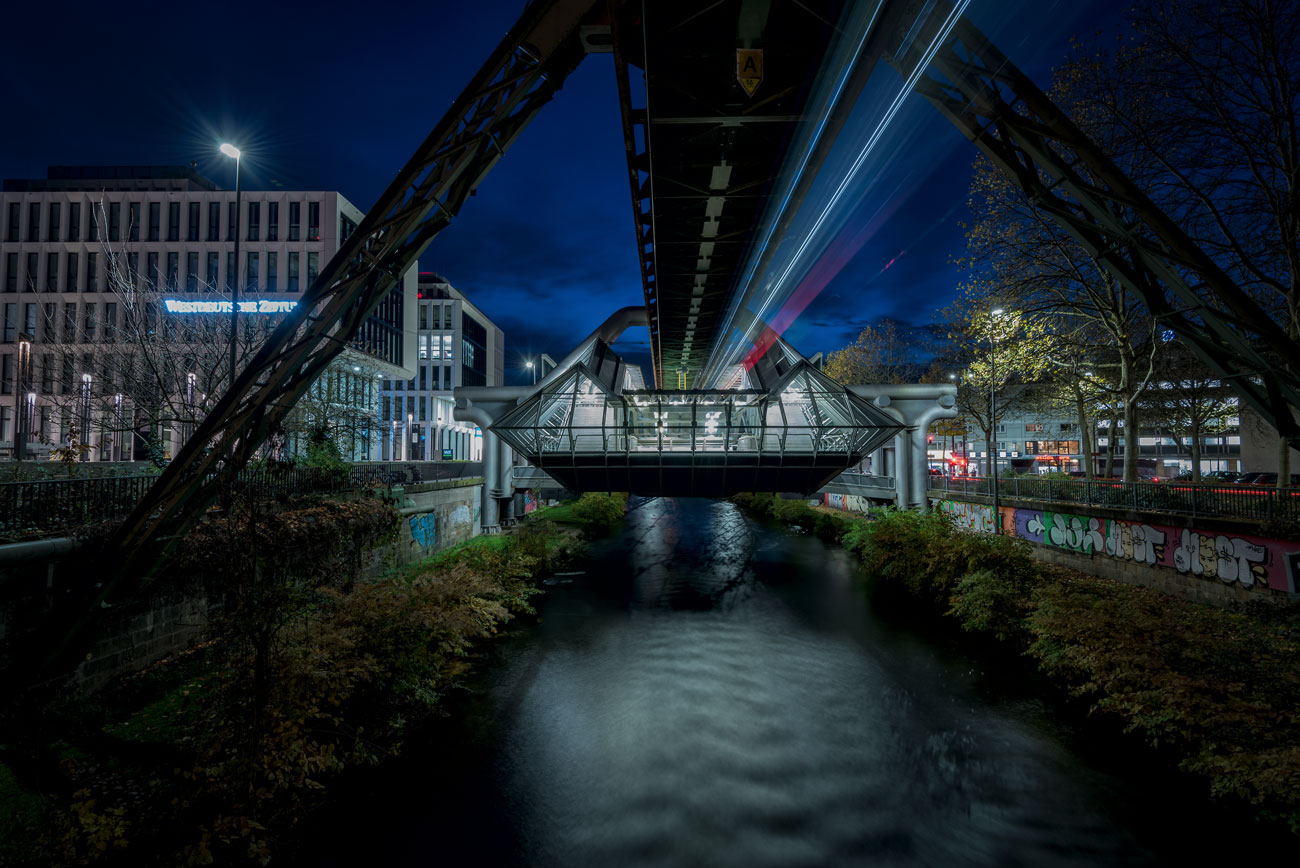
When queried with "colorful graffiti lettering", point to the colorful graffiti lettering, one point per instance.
{"points": [[530, 501], [424, 529], [1250, 562], [848, 502], [1231, 559], [969, 516]]}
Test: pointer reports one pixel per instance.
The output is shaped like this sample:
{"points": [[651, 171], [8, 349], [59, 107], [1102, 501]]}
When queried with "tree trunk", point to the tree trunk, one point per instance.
{"points": [[1085, 436], [1196, 448], [1111, 442], [1130, 440]]}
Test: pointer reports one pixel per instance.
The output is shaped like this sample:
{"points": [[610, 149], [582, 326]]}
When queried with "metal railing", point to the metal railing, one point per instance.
{"points": [[44, 507], [1224, 500]]}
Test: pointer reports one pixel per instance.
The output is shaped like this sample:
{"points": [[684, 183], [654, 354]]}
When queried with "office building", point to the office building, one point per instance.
{"points": [[113, 332]]}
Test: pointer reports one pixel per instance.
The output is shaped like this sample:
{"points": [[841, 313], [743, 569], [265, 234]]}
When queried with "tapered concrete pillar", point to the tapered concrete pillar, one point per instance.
{"points": [[920, 468], [878, 462], [903, 470]]}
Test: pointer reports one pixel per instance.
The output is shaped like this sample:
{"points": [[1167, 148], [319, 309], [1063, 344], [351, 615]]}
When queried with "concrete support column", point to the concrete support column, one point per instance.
{"points": [[878, 462], [920, 469], [902, 469], [488, 519]]}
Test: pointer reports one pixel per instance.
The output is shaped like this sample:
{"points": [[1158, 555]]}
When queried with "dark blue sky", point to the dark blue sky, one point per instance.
{"points": [[337, 96]]}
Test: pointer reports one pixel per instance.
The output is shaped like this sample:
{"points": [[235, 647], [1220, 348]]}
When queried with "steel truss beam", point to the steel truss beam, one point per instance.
{"points": [[1067, 175], [523, 73]]}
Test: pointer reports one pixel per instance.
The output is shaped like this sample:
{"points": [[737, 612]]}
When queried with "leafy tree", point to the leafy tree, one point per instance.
{"points": [[882, 353], [1190, 402]]}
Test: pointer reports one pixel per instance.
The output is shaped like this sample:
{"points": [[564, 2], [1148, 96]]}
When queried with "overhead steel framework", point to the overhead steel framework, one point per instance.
{"points": [[703, 155]]}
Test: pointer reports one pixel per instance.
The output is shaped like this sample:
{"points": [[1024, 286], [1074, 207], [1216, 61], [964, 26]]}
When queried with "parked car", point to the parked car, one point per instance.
{"points": [[1249, 477], [1271, 479]]}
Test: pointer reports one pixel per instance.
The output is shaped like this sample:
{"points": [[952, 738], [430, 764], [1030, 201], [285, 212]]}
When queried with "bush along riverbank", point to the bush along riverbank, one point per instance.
{"points": [[1217, 690], [214, 755]]}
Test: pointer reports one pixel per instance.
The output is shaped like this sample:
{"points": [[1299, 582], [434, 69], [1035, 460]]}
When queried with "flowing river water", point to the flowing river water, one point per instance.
{"points": [[715, 691]]}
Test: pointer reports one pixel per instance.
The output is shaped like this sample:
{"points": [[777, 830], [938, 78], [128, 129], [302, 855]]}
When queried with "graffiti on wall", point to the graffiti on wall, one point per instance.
{"points": [[848, 502], [530, 501], [969, 516], [459, 515], [424, 529], [1251, 562]]}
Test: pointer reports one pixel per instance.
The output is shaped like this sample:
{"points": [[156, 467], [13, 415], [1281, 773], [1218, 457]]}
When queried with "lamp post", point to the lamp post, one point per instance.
{"points": [[996, 313], [21, 377], [231, 151]]}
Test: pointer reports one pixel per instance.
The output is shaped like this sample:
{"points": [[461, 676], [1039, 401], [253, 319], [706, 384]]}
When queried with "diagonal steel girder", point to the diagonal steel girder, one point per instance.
{"points": [[1068, 177], [526, 69]]}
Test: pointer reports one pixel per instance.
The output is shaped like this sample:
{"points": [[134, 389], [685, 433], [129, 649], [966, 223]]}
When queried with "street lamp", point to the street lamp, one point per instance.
{"points": [[231, 151], [993, 415]]}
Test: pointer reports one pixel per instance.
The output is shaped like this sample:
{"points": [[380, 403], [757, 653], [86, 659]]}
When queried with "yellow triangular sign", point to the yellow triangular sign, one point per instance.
{"points": [[749, 68]]}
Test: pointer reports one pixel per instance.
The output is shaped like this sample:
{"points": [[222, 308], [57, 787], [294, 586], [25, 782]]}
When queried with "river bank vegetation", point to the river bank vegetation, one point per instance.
{"points": [[1215, 689], [214, 755]]}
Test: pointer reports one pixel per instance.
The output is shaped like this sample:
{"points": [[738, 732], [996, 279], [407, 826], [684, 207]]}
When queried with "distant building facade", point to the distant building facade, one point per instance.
{"points": [[80, 247], [457, 345]]}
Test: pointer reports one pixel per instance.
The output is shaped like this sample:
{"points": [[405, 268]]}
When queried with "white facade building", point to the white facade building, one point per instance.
{"points": [[80, 247], [457, 346]]}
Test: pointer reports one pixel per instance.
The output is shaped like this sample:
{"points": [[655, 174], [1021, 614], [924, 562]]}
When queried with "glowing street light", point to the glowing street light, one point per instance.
{"points": [[234, 153]]}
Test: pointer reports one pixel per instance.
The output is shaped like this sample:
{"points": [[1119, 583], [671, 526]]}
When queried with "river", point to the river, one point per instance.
{"points": [[713, 691]]}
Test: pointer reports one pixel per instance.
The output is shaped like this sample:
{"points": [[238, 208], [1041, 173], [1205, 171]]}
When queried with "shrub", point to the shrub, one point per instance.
{"points": [[600, 512]]}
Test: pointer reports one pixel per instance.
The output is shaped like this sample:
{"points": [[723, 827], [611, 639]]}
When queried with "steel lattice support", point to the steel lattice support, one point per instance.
{"points": [[523, 73], [1067, 175]]}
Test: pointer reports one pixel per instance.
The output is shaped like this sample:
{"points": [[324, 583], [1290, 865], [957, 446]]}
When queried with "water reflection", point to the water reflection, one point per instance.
{"points": [[715, 692]]}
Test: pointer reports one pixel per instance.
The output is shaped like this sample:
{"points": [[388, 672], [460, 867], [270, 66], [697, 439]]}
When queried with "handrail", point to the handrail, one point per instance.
{"points": [[1222, 500]]}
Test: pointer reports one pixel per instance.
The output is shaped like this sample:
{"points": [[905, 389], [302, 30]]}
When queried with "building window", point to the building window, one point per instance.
{"points": [[192, 228], [212, 277], [74, 221], [295, 217], [155, 220], [214, 221], [192, 271], [34, 221], [230, 270], [71, 284], [292, 285], [173, 221], [313, 221], [173, 266], [50, 324], [11, 272], [52, 272], [151, 272], [11, 325], [33, 260], [70, 323], [114, 221], [313, 267], [133, 221], [133, 269], [250, 272], [92, 224], [15, 212], [272, 268], [110, 321], [254, 220], [92, 272], [88, 323], [52, 227], [272, 221]]}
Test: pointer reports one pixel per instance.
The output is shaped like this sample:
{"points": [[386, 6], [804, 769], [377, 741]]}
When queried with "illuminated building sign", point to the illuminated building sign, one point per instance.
{"points": [[176, 305]]}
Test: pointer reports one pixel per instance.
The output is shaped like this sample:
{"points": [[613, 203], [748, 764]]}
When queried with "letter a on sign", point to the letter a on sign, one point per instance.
{"points": [[749, 68]]}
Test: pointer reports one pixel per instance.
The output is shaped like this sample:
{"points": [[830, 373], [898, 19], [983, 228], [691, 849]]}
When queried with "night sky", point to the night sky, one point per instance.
{"points": [[330, 96]]}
